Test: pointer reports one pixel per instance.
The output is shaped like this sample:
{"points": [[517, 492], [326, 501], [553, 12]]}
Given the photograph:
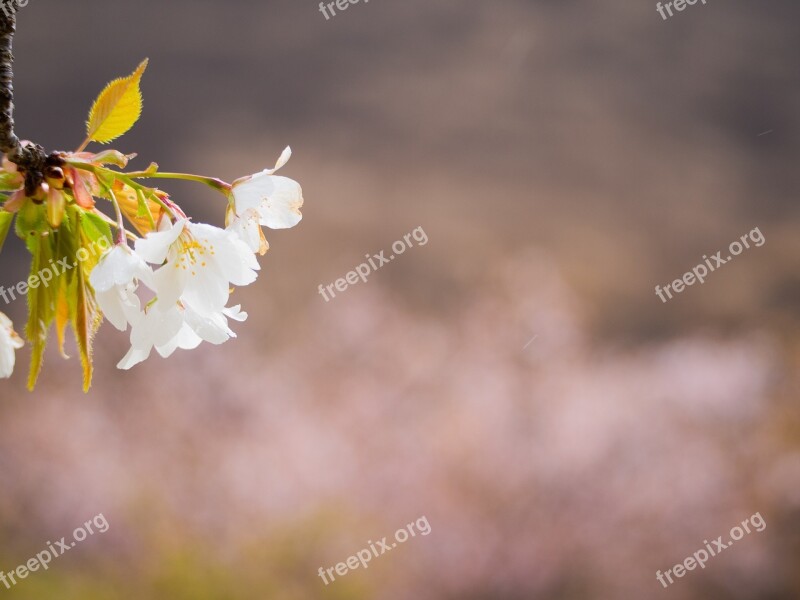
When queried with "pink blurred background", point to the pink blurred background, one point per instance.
{"points": [[564, 158]]}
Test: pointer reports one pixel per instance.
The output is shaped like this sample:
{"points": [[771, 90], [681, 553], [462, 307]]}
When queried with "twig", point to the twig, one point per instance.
{"points": [[29, 157]]}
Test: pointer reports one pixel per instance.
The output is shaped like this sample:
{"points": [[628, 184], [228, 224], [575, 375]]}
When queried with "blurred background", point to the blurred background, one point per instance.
{"points": [[516, 380]]}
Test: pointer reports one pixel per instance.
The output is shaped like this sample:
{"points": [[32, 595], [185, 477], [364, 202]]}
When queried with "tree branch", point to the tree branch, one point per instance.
{"points": [[30, 158]]}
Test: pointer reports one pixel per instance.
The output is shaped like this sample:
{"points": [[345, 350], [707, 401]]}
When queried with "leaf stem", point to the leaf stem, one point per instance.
{"points": [[85, 143]]}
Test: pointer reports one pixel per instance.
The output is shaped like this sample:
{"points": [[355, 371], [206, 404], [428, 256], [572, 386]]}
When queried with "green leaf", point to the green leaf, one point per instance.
{"points": [[41, 305], [62, 314], [31, 224], [67, 296], [66, 248], [94, 227], [6, 218], [10, 182], [85, 315]]}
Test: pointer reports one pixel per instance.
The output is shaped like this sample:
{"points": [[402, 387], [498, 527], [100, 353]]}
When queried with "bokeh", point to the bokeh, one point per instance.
{"points": [[515, 380]]}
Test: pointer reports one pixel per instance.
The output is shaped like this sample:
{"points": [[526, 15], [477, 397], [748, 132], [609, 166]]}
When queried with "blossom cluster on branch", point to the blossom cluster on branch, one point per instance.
{"points": [[172, 288]]}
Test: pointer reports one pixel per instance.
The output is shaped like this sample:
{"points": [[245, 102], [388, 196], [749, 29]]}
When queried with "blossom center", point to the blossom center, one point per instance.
{"points": [[192, 252]]}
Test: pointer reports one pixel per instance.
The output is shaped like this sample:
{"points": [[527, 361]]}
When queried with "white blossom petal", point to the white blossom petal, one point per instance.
{"points": [[134, 356], [235, 313], [203, 263], [211, 328], [234, 258], [151, 328], [9, 343], [186, 339], [277, 199], [169, 282], [282, 160], [207, 289], [115, 280], [119, 305], [247, 228], [119, 267], [155, 246]]}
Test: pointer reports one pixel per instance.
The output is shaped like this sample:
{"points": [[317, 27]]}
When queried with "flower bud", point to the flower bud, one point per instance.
{"points": [[40, 194], [54, 177]]}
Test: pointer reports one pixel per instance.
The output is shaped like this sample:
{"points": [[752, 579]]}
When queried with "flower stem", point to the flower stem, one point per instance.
{"points": [[113, 223], [121, 231], [212, 182], [172, 209]]}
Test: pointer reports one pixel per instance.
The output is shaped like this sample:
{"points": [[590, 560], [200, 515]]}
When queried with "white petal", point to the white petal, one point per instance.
{"points": [[277, 199], [133, 357], [155, 246], [186, 339], [164, 325], [234, 259], [169, 282], [113, 306], [7, 356], [282, 204], [247, 228], [235, 313], [284, 158], [6, 324], [154, 328], [207, 290], [118, 267], [9, 342], [212, 328]]}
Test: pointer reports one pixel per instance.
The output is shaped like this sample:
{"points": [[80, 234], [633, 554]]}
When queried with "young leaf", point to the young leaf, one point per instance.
{"points": [[41, 305], [94, 228], [31, 224], [117, 108], [10, 182], [66, 251], [142, 212], [62, 314], [86, 318], [85, 314], [5, 224]]}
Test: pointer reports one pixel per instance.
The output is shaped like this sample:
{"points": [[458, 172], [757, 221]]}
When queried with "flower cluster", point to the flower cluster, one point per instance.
{"points": [[173, 287]]}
